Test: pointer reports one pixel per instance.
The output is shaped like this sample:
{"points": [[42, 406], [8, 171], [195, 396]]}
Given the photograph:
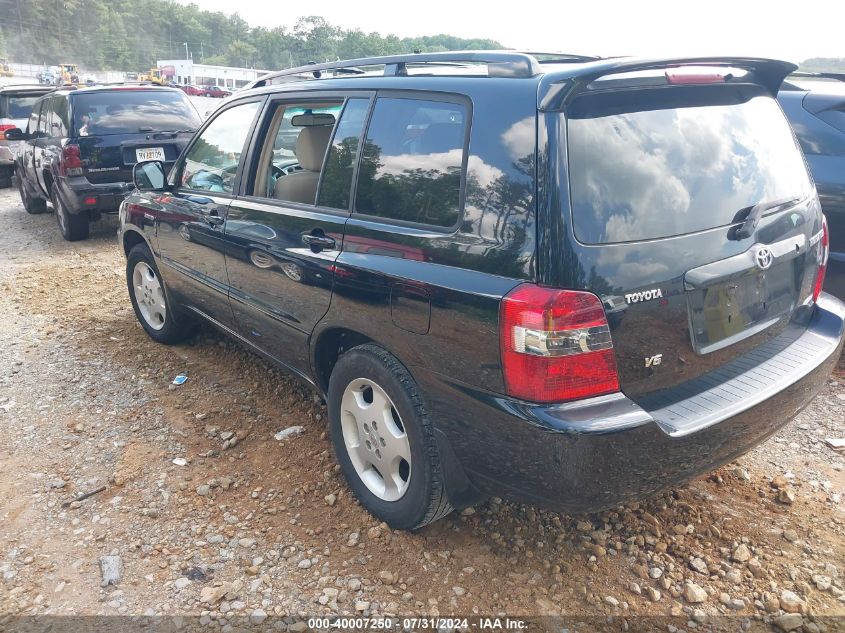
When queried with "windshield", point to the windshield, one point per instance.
{"points": [[133, 111], [17, 106], [642, 167]]}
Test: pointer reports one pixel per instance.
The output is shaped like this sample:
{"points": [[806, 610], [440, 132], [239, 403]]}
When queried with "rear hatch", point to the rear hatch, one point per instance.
{"points": [[694, 217], [118, 127]]}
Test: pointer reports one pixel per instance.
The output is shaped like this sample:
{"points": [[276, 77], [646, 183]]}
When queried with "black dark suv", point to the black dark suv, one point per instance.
{"points": [[572, 282], [815, 106], [81, 145]]}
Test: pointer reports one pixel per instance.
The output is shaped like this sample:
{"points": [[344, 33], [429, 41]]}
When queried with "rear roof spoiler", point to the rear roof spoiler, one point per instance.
{"points": [[558, 88]]}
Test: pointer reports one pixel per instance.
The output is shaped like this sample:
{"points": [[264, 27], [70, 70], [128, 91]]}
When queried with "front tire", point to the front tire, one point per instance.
{"points": [[73, 226], [384, 440], [160, 318], [30, 204]]}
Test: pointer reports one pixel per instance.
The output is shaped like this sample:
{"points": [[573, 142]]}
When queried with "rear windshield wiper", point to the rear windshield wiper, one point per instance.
{"points": [[749, 225]]}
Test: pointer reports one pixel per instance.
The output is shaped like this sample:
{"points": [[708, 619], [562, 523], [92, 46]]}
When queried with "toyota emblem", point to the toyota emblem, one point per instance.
{"points": [[764, 257]]}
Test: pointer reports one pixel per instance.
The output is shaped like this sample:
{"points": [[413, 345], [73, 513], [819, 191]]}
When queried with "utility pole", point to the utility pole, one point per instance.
{"points": [[202, 54], [186, 50]]}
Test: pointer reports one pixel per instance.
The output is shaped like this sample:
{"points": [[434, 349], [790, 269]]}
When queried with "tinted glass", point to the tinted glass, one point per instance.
{"points": [[32, 125], [44, 117], [412, 160], [337, 173], [293, 152], [133, 111], [59, 123], [16, 106], [648, 171], [212, 162]]}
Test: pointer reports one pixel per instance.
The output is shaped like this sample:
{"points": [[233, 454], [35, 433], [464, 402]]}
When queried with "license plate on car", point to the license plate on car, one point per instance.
{"points": [[149, 153]]}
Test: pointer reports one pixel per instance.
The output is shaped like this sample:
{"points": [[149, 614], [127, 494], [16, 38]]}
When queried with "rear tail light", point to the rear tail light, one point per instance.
{"points": [[71, 161], [4, 127], [825, 252], [555, 345]]}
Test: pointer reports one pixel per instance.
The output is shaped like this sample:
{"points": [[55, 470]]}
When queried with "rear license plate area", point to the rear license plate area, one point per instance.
{"points": [[729, 311], [149, 153]]}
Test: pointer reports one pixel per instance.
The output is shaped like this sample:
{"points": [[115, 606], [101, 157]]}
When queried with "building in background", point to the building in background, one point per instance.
{"points": [[185, 71]]}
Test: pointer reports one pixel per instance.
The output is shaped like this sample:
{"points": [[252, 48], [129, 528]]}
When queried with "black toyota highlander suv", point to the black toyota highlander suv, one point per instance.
{"points": [[572, 282], [81, 144]]}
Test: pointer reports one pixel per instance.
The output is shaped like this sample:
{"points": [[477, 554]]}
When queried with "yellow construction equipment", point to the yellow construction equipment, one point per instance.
{"points": [[69, 73], [153, 76]]}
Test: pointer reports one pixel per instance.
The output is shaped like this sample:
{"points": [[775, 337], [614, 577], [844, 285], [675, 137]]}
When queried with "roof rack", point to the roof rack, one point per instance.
{"points": [[809, 75], [546, 57], [499, 64]]}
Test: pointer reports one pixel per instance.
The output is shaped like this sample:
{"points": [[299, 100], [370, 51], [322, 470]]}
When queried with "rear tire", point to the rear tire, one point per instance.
{"points": [[31, 205], [160, 318], [73, 226], [384, 440]]}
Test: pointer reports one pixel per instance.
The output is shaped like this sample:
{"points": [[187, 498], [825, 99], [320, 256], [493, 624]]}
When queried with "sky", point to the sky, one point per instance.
{"points": [[787, 30]]}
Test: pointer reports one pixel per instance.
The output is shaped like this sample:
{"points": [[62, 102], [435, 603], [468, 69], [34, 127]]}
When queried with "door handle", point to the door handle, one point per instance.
{"points": [[318, 242], [212, 217]]}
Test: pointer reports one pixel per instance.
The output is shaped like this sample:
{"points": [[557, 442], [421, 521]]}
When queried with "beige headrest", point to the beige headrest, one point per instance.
{"points": [[311, 146]]}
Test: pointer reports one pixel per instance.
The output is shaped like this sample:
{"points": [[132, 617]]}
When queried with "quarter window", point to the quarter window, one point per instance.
{"points": [[411, 162], [212, 162]]}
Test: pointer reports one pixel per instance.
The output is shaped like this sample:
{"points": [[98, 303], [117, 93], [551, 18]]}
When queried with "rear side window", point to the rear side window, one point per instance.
{"points": [[657, 165], [412, 161], [337, 173], [133, 111]]}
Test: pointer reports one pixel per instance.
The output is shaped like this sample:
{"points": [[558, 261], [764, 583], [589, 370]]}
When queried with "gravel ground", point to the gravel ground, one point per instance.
{"points": [[203, 513]]}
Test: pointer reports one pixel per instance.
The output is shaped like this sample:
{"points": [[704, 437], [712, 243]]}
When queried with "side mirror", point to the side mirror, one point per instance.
{"points": [[14, 134], [149, 176]]}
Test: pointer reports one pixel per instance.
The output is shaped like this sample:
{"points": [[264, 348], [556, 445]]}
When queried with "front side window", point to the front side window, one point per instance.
{"points": [[43, 118], [32, 125], [59, 123], [294, 149], [212, 162], [412, 161]]}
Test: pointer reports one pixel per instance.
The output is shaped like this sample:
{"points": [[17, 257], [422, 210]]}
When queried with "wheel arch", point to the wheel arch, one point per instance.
{"points": [[329, 344], [131, 238]]}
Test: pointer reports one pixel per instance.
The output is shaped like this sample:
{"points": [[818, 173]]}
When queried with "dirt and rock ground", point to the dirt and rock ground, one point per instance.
{"points": [[203, 514]]}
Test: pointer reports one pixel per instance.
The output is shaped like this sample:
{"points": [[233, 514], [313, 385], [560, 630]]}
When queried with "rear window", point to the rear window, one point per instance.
{"points": [[14, 106], [133, 111], [653, 165]]}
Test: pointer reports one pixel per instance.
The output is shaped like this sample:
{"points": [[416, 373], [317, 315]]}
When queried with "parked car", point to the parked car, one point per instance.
{"points": [[81, 145], [192, 91], [465, 230], [46, 76], [815, 106], [215, 91], [15, 106]]}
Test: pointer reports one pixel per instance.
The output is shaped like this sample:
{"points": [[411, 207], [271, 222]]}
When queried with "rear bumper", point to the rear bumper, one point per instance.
{"points": [[80, 195], [598, 453]]}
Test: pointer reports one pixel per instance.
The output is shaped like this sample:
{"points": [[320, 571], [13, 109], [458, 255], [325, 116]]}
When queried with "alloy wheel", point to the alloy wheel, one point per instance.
{"points": [[375, 439], [149, 295]]}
